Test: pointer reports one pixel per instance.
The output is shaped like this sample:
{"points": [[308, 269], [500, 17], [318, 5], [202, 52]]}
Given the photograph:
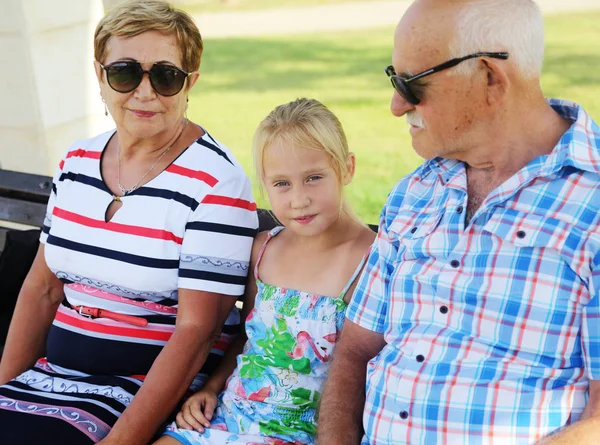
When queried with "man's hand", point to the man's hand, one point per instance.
{"points": [[197, 411]]}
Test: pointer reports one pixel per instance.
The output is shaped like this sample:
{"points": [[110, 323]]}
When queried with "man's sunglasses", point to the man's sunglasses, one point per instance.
{"points": [[413, 93], [124, 77]]}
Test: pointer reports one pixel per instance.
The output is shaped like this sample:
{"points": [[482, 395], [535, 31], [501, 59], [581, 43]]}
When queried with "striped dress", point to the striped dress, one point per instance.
{"points": [[190, 227]]}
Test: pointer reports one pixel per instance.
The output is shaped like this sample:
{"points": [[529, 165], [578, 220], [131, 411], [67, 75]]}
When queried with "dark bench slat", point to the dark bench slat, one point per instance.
{"points": [[25, 186], [14, 210]]}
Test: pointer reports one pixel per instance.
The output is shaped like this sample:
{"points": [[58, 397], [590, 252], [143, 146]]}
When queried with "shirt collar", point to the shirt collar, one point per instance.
{"points": [[579, 147]]}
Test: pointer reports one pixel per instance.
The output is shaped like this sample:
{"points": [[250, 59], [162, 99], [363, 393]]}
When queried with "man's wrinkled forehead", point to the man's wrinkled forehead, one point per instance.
{"points": [[423, 34]]}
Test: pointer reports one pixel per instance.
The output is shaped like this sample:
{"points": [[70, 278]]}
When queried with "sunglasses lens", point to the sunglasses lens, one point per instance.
{"points": [[404, 90], [167, 80], [124, 76]]}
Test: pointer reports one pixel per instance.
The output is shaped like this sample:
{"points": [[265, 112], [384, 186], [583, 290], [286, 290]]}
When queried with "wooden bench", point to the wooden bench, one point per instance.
{"points": [[23, 199]]}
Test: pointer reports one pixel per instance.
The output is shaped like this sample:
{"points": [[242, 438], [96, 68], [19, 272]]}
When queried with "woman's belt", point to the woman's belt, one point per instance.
{"points": [[94, 312]]}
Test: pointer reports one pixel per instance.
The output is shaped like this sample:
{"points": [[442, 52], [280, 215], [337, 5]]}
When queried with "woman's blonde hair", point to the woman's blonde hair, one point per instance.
{"points": [[305, 123], [133, 17]]}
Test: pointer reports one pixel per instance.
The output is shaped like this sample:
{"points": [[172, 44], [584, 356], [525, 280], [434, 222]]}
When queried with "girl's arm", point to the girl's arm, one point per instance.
{"points": [[36, 307]]}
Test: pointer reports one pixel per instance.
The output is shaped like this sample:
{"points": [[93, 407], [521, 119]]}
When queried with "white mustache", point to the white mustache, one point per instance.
{"points": [[413, 118]]}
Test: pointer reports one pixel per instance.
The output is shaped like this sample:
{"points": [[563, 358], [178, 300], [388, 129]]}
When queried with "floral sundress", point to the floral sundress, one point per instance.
{"points": [[272, 396]]}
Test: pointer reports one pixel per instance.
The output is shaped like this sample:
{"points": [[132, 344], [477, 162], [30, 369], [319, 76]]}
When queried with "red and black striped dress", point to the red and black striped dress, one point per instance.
{"points": [[191, 227]]}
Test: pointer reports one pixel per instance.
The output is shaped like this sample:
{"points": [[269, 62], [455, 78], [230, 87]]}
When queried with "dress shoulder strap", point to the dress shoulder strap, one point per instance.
{"points": [[270, 235], [355, 274]]}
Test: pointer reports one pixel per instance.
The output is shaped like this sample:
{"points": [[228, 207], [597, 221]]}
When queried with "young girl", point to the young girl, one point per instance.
{"points": [[304, 274]]}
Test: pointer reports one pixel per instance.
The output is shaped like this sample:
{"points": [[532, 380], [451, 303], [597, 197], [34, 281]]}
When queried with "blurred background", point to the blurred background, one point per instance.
{"points": [[258, 54]]}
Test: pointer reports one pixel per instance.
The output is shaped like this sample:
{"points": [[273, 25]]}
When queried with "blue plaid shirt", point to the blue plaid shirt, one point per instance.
{"points": [[492, 330]]}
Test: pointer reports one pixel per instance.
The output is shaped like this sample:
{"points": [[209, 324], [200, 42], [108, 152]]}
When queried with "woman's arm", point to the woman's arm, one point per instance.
{"points": [[218, 379], [36, 307], [199, 320]]}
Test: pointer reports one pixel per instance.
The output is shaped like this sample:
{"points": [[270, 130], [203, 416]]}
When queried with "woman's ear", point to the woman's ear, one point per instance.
{"points": [[350, 168], [192, 79], [98, 69]]}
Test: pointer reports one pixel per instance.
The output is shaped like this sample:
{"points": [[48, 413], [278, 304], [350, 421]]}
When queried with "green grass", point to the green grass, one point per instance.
{"points": [[242, 80], [248, 5]]}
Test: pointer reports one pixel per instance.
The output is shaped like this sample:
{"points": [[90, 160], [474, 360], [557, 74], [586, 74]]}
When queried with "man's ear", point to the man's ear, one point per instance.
{"points": [[350, 168], [497, 80]]}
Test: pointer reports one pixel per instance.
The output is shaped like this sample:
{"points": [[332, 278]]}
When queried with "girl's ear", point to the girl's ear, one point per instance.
{"points": [[350, 168]]}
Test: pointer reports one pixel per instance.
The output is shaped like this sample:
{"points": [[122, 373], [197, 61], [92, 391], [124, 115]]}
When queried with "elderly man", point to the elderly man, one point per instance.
{"points": [[477, 319]]}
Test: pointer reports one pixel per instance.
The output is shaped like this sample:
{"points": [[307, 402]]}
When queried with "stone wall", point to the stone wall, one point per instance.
{"points": [[50, 96]]}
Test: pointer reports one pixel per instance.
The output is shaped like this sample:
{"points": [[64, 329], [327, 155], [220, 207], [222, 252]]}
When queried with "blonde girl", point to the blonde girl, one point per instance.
{"points": [[304, 274]]}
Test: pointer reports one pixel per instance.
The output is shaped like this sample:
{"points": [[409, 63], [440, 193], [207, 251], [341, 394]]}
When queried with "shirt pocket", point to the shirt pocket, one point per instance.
{"points": [[536, 285], [417, 235], [557, 246]]}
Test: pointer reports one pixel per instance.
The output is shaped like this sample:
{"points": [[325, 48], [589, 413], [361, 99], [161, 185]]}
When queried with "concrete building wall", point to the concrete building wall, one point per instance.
{"points": [[49, 95]]}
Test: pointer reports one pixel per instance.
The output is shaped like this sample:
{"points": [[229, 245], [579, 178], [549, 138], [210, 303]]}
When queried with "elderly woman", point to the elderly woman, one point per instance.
{"points": [[143, 253]]}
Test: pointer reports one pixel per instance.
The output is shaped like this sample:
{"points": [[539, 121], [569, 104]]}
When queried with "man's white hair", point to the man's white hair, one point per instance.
{"points": [[514, 26]]}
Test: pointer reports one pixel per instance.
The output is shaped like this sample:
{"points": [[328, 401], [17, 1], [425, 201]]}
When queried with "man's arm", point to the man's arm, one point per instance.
{"points": [[587, 429], [340, 413]]}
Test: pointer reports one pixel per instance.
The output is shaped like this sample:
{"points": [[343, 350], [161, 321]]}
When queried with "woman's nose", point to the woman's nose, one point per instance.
{"points": [[145, 89]]}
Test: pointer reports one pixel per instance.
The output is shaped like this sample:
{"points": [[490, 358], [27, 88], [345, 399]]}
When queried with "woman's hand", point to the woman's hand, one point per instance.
{"points": [[197, 411]]}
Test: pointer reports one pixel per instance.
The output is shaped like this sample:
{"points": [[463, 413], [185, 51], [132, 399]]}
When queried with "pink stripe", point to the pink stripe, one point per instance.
{"points": [[196, 174], [97, 293], [116, 227], [88, 424]]}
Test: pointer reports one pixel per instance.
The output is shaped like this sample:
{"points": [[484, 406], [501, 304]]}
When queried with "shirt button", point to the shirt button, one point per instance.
{"points": [[521, 234], [413, 230], [459, 209], [444, 309], [404, 415], [420, 358], [454, 263]]}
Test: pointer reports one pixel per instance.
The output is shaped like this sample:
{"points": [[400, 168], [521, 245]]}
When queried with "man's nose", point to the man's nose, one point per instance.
{"points": [[400, 106]]}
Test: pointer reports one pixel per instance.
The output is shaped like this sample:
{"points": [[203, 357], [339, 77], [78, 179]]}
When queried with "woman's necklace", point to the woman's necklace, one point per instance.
{"points": [[127, 191]]}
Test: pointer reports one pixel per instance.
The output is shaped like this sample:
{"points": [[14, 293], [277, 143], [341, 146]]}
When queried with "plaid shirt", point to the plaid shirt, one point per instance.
{"points": [[492, 330]]}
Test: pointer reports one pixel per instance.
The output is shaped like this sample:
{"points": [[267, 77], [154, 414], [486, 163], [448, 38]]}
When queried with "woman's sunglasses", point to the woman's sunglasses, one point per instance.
{"points": [[124, 77], [414, 95]]}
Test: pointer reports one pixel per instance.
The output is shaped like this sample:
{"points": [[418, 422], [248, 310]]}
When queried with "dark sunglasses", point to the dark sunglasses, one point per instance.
{"points": [[413, 94], [124, 77]]}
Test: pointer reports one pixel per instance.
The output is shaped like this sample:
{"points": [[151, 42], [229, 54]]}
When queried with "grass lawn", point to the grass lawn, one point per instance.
{"points": [[248, 5], [242, 80]]}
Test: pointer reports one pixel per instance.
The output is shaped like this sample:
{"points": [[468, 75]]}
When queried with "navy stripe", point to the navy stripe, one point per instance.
{"points": [[113, 254], [211, 276], [46, 229], [167, 194], [214, 148], [84, 179], [221, 228], [54, 188]]}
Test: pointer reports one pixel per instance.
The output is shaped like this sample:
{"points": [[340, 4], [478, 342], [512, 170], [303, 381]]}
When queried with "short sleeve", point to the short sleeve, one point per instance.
{"points": [[590, 325], [215, 254], [369, 305], [52, 201]]}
